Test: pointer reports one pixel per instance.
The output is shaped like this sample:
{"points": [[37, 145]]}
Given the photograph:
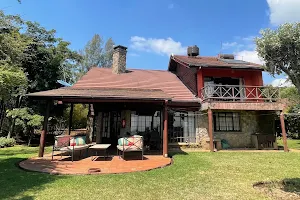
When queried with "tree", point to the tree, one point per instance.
{"points": [[280, 49], [32, 59], [292, 97], [13, 81], [48, 59], [79, 118], [96, 53], [26, 119], [291, 94], [12, 47]]}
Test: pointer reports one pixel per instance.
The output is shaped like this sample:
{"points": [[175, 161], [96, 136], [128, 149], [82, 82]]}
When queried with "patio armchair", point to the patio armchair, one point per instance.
{"points": [[70, 144], [130, 144]]}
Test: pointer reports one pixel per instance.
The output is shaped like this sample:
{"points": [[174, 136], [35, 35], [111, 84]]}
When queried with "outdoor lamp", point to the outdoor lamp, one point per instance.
{"points": [[123, 123]]}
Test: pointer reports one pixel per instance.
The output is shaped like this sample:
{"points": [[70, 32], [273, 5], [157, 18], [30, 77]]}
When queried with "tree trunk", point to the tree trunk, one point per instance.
{"points": [[30, 137], [11, 128], [12, 125], [90, 123], [2, 112]]}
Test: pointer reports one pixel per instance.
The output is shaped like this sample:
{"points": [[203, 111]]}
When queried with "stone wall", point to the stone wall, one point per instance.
{"points": [[249, 122], [119, 60], [249, 125]]}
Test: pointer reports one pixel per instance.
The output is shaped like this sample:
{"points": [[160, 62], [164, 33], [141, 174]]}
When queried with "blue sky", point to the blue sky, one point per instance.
{"points": [[154, 29]]}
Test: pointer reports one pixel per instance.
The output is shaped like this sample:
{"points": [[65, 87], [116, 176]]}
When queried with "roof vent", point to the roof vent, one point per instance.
{"points": [[226, 56], [193, 51]]}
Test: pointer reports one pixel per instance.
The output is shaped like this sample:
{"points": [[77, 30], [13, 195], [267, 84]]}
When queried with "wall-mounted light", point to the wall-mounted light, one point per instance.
{"points": [[123, 123]]}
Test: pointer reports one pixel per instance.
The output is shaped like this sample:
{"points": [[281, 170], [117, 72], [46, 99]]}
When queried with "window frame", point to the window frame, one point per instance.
{"points": [[176, 134], [234, 128]]}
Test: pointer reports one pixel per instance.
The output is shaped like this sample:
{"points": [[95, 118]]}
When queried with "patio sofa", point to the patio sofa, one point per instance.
{"points": [[67, 143], [130, 144]]}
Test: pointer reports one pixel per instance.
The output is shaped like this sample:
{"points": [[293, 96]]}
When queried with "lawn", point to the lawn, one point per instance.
{"points": [[292, 144], [205, 175]]}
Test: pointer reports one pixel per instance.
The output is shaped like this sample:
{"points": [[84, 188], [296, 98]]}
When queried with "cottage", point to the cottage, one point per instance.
{"points": [[198, 100]]}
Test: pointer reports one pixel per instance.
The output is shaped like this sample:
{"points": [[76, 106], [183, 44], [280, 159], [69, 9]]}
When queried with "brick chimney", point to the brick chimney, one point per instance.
{"points": [[119, 59]]}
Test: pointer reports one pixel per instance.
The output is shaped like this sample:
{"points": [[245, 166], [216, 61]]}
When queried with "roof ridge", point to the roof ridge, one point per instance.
{"points": [[161, 70], [107, 88]]}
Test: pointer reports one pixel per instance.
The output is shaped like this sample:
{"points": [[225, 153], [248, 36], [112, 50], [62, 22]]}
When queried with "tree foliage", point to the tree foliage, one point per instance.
{"points": [[49, 59], [32, 59], [79, 119], [97, 52], [292, 119], [12, 46], [25, 118], [280, 49], [291, 94]]}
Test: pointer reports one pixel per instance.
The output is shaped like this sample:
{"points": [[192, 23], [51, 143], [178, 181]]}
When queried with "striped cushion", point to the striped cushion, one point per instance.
{"points": [[135, 140], [122, 142], [78, 141]]}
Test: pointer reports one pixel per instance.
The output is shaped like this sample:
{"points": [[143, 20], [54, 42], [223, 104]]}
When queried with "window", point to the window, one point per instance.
{"points": [[182, 127], [142, 123], [227, 121]]}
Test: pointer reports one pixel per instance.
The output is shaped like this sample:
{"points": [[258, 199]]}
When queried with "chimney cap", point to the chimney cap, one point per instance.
{"points": [[120, 47]]}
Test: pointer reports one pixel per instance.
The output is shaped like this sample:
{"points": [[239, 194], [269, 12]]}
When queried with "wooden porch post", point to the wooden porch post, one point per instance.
{"points": [[71, 118], [44, 131], [210, 130], [283, 132], [165, 132]]}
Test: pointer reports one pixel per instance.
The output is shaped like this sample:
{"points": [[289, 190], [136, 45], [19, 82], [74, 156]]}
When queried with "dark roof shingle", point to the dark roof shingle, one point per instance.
{"points": [[103, 93], [134, 84], [209, 61], [166, 81]]}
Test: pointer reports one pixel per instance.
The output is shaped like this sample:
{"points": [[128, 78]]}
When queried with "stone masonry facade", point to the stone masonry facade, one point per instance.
{"points": [[250, 122], [119, 60]]}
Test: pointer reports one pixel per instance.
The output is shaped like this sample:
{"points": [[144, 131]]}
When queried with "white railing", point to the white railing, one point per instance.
{"points": [[239, 93]]}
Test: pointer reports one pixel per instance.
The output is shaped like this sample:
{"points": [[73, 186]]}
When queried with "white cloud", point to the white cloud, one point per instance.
{"points": [[249, 56], [228, 45], [249, 38], [171, 6], [156, 45], [282, 11], [281, 82]]}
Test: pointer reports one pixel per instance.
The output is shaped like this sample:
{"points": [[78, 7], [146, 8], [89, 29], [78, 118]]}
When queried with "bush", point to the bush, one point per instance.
{"points": [[7, 142]]}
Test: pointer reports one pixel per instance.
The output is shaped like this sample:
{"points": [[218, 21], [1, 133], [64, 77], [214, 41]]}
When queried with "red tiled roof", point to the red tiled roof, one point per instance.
{"points": [[165, 81], [134, 84], [209, 61], [103, 93]]}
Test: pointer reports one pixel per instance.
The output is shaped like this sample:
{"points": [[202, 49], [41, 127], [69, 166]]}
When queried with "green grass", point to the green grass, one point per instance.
{"points": [[222, 175], [292, 144]]}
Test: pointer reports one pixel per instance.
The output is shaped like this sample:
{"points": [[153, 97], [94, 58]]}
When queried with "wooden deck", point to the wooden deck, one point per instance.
{"points": [[112, 165]]}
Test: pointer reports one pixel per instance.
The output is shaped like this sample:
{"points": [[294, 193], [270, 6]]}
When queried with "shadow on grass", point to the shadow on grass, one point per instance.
{"points": [[15, 181], [288, 189], [291, 185]]}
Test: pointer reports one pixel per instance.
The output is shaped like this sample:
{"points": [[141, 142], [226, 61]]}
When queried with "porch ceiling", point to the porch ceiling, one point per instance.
{"points": [[102, 94], [275, 106]]}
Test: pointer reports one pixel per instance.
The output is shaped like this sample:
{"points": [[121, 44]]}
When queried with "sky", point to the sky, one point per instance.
{"points": [[154, 29]]}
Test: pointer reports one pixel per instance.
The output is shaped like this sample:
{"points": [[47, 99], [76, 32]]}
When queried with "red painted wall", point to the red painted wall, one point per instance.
{"points": [[251, 77], [188, 76]]}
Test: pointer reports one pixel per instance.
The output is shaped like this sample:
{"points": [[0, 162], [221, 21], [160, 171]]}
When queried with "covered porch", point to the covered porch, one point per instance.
{"points": [[115, 114]]}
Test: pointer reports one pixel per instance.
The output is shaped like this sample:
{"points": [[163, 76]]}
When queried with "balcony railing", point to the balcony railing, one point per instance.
{"points": [[239, 93]]}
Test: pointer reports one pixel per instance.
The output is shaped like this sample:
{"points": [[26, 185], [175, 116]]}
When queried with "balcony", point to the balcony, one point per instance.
{"points": [[239, 93]]}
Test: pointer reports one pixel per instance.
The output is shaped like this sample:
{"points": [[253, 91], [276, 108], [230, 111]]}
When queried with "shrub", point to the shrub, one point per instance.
{"points": [[7, 142]]}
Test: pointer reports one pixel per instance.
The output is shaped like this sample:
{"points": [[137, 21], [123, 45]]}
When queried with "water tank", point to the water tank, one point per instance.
{"points": [[226, 56], [193, 51]]}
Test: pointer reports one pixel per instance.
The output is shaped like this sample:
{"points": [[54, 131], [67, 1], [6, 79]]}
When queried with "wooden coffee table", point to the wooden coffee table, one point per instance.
{"points": [[100, 147]]}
